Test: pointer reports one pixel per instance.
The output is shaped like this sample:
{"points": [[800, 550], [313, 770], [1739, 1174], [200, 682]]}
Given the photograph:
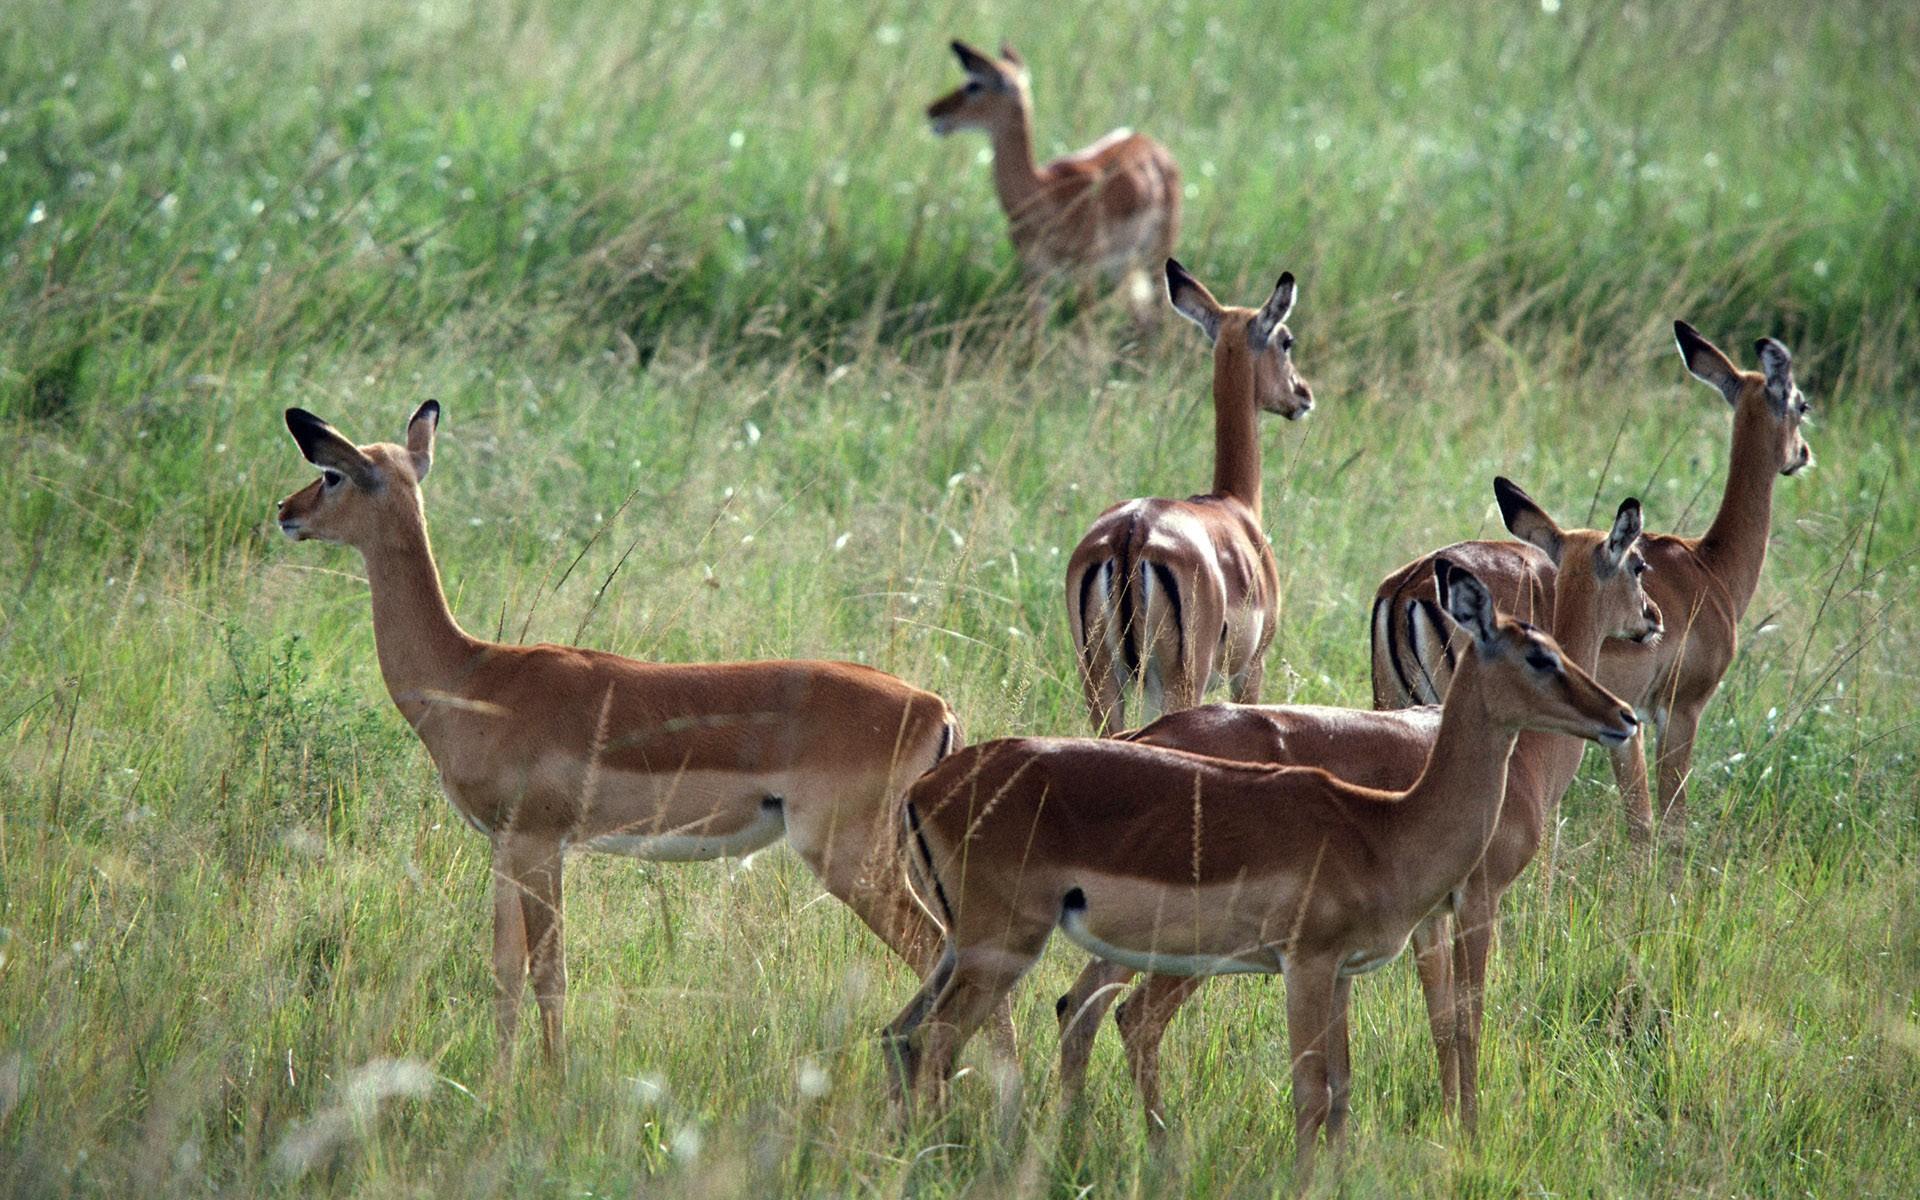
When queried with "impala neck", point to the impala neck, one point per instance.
{"points": [[1555, 757], [420, 645], [1015, 177], [1735, 545], [1236, 428], [1450, 813]]}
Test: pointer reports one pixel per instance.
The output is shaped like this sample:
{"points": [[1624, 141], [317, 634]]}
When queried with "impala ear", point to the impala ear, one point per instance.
{"points": [[322, 445], [1466, 600], [1626, 531], [1526, 520], [1706, 362], [1778, 365], [974, 62], [1272, 314], [1011, 57], [1192, 300], [420, 430]]}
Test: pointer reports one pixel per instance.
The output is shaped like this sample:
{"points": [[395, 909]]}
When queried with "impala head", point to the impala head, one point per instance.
{"points": [[1767, 398], [1602, 567], [361, 489], [1263, 332], [1528, 682], [995, 91]]}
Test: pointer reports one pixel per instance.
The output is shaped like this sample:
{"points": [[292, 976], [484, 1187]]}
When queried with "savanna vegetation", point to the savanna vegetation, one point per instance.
{"points": [[735, 364]]}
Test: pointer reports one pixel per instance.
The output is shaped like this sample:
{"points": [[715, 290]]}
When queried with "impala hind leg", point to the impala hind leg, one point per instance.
{"points": [[1245, 687], [1143, 1019], [1100, 676], [509, 951], [1433, 957], [902, 1048], [1079, 1012], [978, 984]]}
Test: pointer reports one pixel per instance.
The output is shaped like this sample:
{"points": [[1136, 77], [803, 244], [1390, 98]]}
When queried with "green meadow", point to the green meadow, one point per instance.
{"points": [[734, 364]]}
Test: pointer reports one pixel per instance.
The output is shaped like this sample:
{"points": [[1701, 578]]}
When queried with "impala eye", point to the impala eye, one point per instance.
{"points": [[330, 477], [1286, 344], [1540, 660], [973, 85], [1640, 566]]}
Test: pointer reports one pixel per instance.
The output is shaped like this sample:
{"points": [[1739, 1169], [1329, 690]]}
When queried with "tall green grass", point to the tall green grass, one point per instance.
{"points": [[772, 390]]}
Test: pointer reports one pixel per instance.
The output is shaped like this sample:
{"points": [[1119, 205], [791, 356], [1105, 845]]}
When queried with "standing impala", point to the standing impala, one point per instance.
{"points": [[1171, 595], [545, 748], [1171, 862], [1597, 595], [1702, 585], [1111, 209]]}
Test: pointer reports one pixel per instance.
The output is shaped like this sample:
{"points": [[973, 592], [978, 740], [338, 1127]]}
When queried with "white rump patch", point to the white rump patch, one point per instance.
{"points": [[1073, 923]]}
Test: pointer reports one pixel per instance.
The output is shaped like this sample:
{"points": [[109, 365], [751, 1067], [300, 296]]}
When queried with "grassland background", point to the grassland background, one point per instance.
{"points": [[702, 296]]}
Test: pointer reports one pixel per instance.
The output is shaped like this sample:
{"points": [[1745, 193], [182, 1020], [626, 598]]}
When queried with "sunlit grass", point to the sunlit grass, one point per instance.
{"points": [[779, 393]]}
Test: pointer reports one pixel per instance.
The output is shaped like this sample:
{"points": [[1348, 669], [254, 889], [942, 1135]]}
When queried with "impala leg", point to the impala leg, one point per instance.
{"points": [[509, 948], [1143, 1019], [1674, 759], [1473, 943], [1106, 704], [1339, 1066], [1309, 1020], [903, 1051], [1630, 772], [1433, 957], [538, 868], [1079, 1012], [979, 983], [1246, 685]]}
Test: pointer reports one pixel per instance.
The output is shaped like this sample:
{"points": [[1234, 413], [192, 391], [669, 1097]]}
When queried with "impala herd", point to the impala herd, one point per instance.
{"points": [[1310, 842]]}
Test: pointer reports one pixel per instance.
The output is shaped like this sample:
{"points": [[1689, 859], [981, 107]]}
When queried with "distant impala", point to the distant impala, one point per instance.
{"points": [[548, 748], [1171, 595], [1702, 584], [1111, 209]]}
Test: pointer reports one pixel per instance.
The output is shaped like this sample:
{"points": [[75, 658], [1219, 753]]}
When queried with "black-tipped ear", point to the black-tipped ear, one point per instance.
{"points": [[972, 61], [1706, 363], [1526, 520], [420, 432], [323, 446], [1468, 602], [1192, 300], [1778, 364], [1260, 330], [1626, 531]]}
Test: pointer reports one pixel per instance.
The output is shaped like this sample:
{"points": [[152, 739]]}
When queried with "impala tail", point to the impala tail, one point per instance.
{"points": [[1129, 623]]}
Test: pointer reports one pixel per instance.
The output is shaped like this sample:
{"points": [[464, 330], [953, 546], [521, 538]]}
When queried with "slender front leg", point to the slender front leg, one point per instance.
{"points": [[1079, 1012], [1674, 760], [1433, 958], [1143, 1021], [1473, 943], [1309, 1021], [1630, 773], [1339, 1067], [509, 948], [903, 1052], [538, 867]]}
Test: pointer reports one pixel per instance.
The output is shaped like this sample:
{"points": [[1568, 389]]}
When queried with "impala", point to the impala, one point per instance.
{"points": [[1597, 594], [1171, 595], [1112, 209], [1702, 585], [1180, 864], [546, 748]]}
